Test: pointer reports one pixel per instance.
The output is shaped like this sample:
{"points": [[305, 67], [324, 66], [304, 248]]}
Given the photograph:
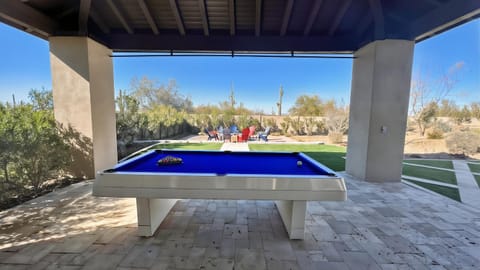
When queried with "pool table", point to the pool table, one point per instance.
{"points": [[158, 178]]}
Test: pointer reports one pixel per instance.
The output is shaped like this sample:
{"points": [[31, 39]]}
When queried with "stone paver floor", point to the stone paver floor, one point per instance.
{"points": [[381, 226]]}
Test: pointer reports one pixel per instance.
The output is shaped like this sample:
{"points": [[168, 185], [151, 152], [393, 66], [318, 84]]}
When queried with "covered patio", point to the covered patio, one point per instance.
{"points": [[384, 224]]}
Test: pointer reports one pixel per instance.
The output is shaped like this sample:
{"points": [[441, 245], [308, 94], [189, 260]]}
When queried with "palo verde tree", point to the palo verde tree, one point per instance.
{"points": [[425, 92], [310, 108]]}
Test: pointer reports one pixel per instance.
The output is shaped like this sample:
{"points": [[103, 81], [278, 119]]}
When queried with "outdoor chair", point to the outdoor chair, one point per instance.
{"points": [[251, 134], [211, 135], [264, 135], [227, 135], [244, 136]]}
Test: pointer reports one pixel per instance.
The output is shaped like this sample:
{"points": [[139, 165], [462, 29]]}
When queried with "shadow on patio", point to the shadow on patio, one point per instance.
{"points": [[381, 226]]}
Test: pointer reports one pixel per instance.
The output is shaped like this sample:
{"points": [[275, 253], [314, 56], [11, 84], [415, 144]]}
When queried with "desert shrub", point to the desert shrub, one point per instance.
{"points": [[464, 143], [285, 125], [297, 126], [335, 137], [270, 122], [442, 126], [34, 148], [321, 127], [411, 125], [435, 133]]}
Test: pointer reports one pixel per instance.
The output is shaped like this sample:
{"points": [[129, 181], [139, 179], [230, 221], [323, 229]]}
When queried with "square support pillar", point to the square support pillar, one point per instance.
{"points": [[83, 97], [379, 109]]}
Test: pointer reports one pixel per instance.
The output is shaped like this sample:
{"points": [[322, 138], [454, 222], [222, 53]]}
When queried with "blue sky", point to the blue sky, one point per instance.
{"points": [[25, 65]]}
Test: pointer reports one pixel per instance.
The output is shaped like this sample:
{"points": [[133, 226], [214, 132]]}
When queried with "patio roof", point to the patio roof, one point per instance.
{"points": [[332, 26]]}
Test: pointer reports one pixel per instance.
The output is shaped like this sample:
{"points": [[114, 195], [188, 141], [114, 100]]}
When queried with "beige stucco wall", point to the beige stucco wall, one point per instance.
{"points": [[83, 95], [379, 98]]}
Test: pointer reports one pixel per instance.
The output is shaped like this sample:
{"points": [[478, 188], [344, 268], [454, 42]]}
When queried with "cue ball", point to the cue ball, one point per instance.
{"points": [[299, 163]]}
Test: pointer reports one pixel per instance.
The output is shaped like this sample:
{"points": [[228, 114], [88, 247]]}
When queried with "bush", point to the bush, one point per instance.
{"points": [[464, 143], [435, 134], [335, 137], [442, 126]]}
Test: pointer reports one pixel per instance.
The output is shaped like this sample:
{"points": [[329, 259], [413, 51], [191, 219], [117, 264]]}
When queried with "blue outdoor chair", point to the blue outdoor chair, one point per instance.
{"points": [[264, 135]]}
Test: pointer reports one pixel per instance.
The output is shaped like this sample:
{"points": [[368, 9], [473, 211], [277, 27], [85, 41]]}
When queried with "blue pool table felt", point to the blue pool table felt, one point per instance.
{"points": [[219, 162]]}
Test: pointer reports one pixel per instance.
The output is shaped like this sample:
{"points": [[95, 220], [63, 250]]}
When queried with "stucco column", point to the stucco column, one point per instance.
{"points": [[83, 96], [378, 110]]}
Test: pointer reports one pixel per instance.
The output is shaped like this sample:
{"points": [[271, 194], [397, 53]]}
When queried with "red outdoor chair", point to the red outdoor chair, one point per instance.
{"points": [[244, 136]]}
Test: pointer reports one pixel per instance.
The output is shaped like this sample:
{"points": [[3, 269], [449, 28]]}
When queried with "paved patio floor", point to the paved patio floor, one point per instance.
{"points": [[381, 226]]}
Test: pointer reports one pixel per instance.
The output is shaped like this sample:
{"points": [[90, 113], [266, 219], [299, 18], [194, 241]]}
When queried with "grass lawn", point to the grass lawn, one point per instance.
{"points": [[447, 164], [477, 177], [474, 167], [445, 191], [431, 174], [331, 156], [183, 146], [188, 146]]}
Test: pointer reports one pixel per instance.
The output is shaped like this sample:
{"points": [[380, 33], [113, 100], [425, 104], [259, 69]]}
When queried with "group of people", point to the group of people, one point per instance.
{"points": [[221, 133], [225, 133], [232, 132]]}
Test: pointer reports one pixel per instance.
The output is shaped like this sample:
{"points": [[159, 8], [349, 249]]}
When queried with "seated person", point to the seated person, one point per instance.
{"points": [[220, 132], [234, 128], [211, 134], [226, 134]]}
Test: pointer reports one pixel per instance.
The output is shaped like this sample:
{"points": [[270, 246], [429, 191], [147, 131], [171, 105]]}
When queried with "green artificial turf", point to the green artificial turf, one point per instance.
{"points": [[446, 164], [188, 146], [477, 177], [331, 156], [474, 167], [183, 146], [452, 193], [431, 174]]}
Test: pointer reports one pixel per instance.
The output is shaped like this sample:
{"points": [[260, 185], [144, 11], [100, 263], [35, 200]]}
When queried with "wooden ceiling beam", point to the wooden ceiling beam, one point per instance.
{"points": [[29, 18], [99, 21], [258, 17], [120, 16], [204, 15], [286, 17], [444, 17], [339, 17], [178, 17], [148, 16], [312, 17], [83, 14], [167, 42], [231, 13]]}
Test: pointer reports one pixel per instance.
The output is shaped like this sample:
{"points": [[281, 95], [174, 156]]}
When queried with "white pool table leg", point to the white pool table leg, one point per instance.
{"points": [[293, 216], [150, 214]]}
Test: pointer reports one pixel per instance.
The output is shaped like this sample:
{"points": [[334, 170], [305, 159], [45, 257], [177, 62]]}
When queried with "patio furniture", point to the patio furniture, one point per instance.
{"points": [[264, 135], [243, 137], [220, 132], [227, 135], [251, 134], [211, 135]]}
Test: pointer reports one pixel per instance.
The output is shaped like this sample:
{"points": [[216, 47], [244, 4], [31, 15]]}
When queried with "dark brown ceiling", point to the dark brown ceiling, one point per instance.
{"points": [[330, 26]]}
